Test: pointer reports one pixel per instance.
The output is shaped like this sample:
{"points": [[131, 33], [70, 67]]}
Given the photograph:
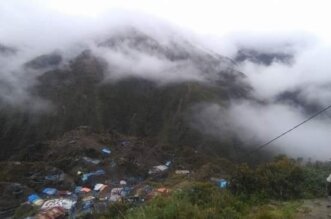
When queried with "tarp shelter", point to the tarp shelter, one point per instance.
{"points": [[104, 193], [90, 160], [64, 193], [96, 173], [222, 183], [63, 203], [56, 177], [35, 199], [158, 169], [85, 189], [106, 150], [99, 187], [162, 190], [123, 183], [88, 198], [50, 191], [52, 213], [182, 172], [116, 191], [329, 179]]}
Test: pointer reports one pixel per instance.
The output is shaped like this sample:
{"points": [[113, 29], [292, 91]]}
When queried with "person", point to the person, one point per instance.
{"points": [[328, 189]]}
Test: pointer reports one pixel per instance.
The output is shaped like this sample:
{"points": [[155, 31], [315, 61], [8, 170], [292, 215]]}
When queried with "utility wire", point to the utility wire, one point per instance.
{"points": [[284, 133]]}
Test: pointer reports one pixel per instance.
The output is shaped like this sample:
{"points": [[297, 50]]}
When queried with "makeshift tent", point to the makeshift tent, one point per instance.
{"points": [[88, 198], [329, 179], [158, 169], [106, 151], [162, 190], [56, 177], [64, 203], [35, 199], [222, 183], [99, 187], [104, 193], [182, 172], [50, 191], [90, 160], [96, 173], [64, 193], [85, 189]]}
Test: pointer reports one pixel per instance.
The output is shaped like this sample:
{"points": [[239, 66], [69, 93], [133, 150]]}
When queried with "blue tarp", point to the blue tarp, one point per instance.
{"points": [[106, 150], [32, 198], [50, 191], [222, 183]]}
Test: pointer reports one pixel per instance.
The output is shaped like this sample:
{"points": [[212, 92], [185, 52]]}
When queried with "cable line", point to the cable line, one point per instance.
{"points": [[284, 133]]}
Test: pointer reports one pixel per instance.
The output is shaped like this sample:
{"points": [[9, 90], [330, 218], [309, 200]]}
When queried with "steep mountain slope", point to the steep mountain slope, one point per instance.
{"points": [[97, 90]]}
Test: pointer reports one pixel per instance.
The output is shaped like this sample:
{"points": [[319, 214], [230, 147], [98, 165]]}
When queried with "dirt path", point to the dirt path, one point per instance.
{"points": [[315, 209]]}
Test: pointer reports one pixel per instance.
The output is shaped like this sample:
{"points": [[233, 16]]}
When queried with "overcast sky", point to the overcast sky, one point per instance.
{"points": [[215, 17]]}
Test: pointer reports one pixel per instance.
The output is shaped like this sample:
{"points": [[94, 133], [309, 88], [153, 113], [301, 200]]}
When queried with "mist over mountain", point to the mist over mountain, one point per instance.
{"points": [[137, 68], [131, 83]]}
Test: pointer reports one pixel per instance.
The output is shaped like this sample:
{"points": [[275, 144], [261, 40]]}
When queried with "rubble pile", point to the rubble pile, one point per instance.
{"points": [[83, 173]]}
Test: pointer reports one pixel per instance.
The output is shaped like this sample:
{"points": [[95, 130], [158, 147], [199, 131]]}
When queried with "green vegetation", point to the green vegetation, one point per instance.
{"points": [[281, 179], [203, 200], [269, 191]]}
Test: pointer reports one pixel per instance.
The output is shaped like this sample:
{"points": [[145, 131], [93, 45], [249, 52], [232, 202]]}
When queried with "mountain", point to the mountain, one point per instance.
{"points": [[263, 57], [93, 89], [51, 60], [6, 50]]}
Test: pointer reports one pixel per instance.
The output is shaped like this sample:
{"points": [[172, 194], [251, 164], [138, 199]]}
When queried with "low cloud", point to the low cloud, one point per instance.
{"points": [[255, 124], [281, 95]]}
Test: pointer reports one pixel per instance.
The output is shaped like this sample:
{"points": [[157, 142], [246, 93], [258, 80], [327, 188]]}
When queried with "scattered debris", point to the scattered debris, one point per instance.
{"points": [[163, 190], [52, 213], [88, 198], [96, 173], [64, 193], [90, 160], [182, 172], [50, 191], [59, 177]]}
